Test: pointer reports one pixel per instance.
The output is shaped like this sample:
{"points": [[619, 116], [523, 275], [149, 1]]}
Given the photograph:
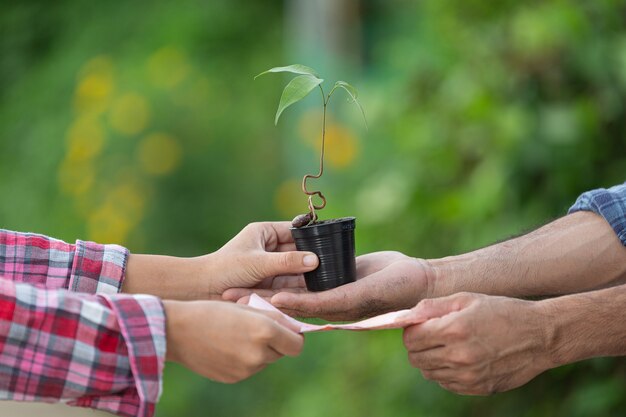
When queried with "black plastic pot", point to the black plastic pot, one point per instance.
{"points": [[333, 243]]}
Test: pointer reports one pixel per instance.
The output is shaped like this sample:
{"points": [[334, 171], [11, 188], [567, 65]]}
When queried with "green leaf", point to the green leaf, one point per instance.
{"points": [[296, 90], [353, 93], [294, 69]]}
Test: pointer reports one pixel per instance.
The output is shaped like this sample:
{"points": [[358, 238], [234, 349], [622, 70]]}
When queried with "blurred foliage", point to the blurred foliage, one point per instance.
{"points": [[139, 123]]}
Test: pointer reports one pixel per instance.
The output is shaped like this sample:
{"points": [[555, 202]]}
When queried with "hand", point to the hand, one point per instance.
{"points": [[227, 342], [386, 281], [478, 344], [262, 255]]}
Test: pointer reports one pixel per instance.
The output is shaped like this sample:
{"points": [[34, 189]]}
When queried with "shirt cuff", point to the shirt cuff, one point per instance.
{"points": [[142, 323], [98, 268], [608, 203]]}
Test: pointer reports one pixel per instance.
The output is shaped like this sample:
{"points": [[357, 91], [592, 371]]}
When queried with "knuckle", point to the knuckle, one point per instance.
{"points": [[408, 338], [252, 360], [491, 388], [468, 377], [263, 333], [425, 303], [428, 375], [286, 261], [456, 330], [462, 357]]}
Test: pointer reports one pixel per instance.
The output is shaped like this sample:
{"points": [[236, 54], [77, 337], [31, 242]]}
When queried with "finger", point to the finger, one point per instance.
{"points": [[431, 375], [439, 307], [246, 299], [430, 359], [375, 294], [281, 320], [286, 247], [424, 336], [286, 341], [234, 294], [289, 281], [271, 355], [462, 389], [267, 235], [444, 375], [371, 263], [327, 304], [286, 263], [281, 230]]}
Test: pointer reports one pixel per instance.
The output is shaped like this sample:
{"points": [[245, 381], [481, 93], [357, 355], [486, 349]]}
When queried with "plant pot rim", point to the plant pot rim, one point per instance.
{"points": [[325, 227]]}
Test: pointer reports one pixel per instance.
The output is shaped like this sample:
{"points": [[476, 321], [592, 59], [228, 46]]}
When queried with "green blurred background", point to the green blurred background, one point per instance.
{"points": [[140, 123]]}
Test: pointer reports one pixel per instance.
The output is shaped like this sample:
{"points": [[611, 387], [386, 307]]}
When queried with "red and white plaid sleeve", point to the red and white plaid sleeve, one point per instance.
{"points": [[102, 351], [99, 351], [51, 263]]}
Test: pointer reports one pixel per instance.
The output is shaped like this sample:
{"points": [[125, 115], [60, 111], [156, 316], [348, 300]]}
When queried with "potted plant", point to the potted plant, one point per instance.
{"points": [[331, 240]]}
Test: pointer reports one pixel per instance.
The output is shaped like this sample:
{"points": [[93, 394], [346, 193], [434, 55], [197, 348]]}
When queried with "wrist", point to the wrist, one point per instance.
{"points": [[174, 323], [208, 267], [562, 330], [429, 270], [444, 278], [550, 350]]}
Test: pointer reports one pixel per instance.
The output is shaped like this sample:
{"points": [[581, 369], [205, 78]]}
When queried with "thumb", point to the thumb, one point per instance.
{"points": [[287, 263], [430, 308]]}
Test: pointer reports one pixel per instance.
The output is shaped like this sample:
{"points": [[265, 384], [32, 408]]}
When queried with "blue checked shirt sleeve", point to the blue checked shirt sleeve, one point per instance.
{"points": [[609, 203]]}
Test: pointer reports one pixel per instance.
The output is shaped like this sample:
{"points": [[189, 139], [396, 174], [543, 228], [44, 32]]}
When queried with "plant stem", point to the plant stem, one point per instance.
{"points": [[313, 207]]}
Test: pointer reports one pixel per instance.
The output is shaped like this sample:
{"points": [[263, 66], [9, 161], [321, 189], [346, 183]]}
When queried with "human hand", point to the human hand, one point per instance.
{"points": [[386, 281], [261, 256], [227, 342], [477, 344]]}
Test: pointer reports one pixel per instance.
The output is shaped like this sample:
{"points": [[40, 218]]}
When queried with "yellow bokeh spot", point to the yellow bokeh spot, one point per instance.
{"points": [[159, 154], [289, 199], [341, 146], [85, 139], [107, 225], [75, 178], [168, 67], [129, 199], [95, 85], [129, 114]]}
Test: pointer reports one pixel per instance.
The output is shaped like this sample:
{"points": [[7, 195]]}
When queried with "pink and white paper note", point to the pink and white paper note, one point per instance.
{"points": [[393, 320]]}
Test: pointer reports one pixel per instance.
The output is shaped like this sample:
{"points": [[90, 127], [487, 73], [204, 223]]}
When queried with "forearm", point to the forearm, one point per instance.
{"points": [[102, 352], [578, 252], [587, 325], [168, 277]]}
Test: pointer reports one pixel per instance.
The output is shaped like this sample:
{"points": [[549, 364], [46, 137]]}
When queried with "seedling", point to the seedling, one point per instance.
{"points": [[298, 88]]}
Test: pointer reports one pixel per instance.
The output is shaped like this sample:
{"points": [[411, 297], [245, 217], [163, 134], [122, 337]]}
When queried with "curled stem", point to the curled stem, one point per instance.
{"points": [[311, 194]]}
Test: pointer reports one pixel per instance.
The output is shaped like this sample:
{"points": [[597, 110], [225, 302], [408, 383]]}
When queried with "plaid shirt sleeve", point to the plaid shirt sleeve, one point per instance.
{"points": [[608, 203], [46, 262], [98, 351]]}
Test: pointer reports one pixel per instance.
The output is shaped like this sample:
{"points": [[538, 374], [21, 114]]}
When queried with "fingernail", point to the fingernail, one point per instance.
{"points": [[309, 260]]}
